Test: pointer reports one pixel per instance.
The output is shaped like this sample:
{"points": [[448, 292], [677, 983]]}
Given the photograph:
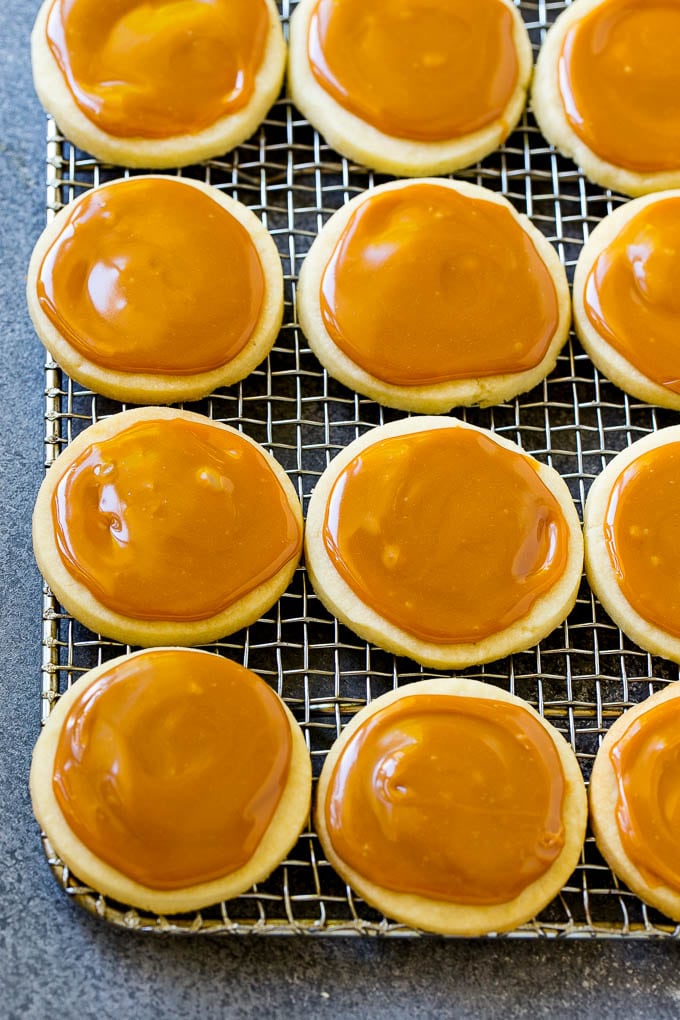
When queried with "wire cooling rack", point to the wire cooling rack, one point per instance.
{"points": [[580, 678]]}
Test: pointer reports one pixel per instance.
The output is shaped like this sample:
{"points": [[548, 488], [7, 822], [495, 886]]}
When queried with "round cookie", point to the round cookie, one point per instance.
{"points": [[615, 113], [633, 562], [632, 800], [156, 289], [463, 302], [440, 117], [160, 526], [626, 312], [158, 85], [406, 559], [161, 823], [434, 839]]}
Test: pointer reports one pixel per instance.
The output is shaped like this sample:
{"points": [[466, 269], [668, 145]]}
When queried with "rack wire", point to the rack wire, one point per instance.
{"points": [[580, 678]]}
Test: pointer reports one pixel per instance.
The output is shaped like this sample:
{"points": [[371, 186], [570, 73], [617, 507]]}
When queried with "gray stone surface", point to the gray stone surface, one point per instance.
{"points": [[56, 961]]}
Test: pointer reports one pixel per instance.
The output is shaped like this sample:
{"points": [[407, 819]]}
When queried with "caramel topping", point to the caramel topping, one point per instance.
{"points": [[170, 766], [454, 798], [173, 520], [445, 534], [426, 285], [619, 81], [641, 533], [158, 68], [429, 70], [631, 295], [152, 275], [646, 763]]}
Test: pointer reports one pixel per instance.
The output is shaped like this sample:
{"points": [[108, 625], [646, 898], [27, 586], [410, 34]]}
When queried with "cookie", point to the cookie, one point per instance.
{"points": [[626, 309], [159, 526], [452, 806], [171, 779], [631, 541], [429, 294], [156, 289], [158, 85], [633, 797], [441, 541], [606, 92], [410, 89]]}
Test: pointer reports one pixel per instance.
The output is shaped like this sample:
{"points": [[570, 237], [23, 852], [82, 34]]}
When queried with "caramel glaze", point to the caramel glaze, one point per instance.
{"points": [[427, 70], [445, 534], [646, 764], [170, 766], [631, 295], [453, 798], [619, 81], [152, 275], [158, 68], [172, 520], [426, 285], [641, 530]]}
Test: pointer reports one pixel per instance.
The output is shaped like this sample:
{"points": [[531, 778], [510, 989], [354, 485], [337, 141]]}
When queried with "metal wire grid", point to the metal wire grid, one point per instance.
{"points": [[580, 678]]}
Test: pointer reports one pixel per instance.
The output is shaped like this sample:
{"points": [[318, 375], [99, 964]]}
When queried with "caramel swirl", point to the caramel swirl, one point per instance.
{"points": [[646, 764], [171, 765], [428, 70], [152, 275], [158, 68], [619, 81], [172, 520], [631, 296], [445, 533], [427, 285], [454, 798], [641, 534]]}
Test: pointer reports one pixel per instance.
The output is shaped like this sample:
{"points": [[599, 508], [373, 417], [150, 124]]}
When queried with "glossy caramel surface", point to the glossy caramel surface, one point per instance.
{"points": [[646, 763], [445, 534], [150, 275], [427, 285], [158, 68], [632, 297], [453, 798], [427, 70], [172, 520], [170, 766], [619, 82], [642, 525]]}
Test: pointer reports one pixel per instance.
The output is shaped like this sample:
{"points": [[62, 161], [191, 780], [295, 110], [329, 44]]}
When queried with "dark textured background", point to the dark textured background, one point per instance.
{"points": [[57, 961]]}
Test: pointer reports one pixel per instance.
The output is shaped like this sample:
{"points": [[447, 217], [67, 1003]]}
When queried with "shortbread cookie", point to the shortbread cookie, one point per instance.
{"points": [[414, 88], [452, 806], [160, 83], [444, 542], [171, 779], [431, 294], [606, 92], [159, 526], [156, 289], [633, 799], [626, 299], [631, 541]]}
